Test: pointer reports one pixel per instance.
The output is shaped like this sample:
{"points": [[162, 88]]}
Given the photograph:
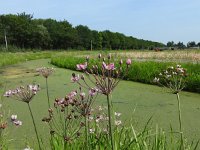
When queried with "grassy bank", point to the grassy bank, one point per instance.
{"points": [[140, 71], [7, 58]]}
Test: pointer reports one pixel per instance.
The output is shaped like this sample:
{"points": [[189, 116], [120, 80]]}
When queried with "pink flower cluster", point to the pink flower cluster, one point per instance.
{"points": [[93, 91], [81, 66], [128, 62], [45, 71], [69, 99], [171, 72], [173, 78], [72, 97], [110, 66], [22, 93], [105, 74], [75, 78]]}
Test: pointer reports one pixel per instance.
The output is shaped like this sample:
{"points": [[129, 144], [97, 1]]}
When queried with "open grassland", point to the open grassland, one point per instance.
{"points": [[178, 56], [7, 58], [134, 100]]}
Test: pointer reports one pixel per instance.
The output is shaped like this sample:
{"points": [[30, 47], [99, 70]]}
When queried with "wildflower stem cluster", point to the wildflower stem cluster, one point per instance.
{"points": [[174, 78], [105, 77], [25, 94]]}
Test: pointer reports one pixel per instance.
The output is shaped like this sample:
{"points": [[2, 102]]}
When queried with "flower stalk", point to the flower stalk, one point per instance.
{"points": [[46, 72], [105, 77], [25, 94], [34, 126], [180, 119], [110, 121], [86, 133], [174, 78], [48, 93]]}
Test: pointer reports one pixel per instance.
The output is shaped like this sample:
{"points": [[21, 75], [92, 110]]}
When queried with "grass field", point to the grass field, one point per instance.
{"points": [[135, 100], [172, 55], [178, 56]]}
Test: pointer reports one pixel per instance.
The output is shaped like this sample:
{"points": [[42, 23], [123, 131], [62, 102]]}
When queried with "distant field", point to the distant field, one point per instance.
{"points": [[173, 55], [187, 55]]}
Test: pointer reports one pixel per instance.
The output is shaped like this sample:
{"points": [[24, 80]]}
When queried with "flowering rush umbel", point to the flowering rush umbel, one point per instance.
{"points": [[79, 101], [173, 77], [24, 94], [105, 74], [45, 71], [73, 109]]}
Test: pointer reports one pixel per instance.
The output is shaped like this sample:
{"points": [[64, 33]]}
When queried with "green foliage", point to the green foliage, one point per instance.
{"points": [[11, 58], [23, 31], [141, 71], [127, 138]]}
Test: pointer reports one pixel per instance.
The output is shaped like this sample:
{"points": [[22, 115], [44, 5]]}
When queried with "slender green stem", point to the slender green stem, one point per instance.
{"points": [[180, 120], [86, 132], [48, 93], [34, 126], [48, 103], [110, 121], [65, 128]]}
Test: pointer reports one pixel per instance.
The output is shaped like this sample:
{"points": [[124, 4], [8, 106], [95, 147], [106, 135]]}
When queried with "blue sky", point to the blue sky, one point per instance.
{"points": [[157, 20]]}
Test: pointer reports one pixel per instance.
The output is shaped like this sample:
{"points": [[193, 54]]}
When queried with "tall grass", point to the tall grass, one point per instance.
{"points": [[140, 71], [8, 58]]}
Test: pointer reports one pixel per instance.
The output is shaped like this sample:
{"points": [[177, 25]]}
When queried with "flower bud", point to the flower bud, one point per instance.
{"points": [[50, 110], [3, 125], [128, 62], [66, 138], [82, 124], [52, 132], [13, 117], [99, 56], [121, 62], [109, 56], [78, 134], [17, 122], [56, 100], [87, 58], [82, 95]]}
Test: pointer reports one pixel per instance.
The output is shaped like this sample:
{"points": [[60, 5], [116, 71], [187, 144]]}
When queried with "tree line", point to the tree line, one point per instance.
{"points": [[181, 45], [23, 31]]}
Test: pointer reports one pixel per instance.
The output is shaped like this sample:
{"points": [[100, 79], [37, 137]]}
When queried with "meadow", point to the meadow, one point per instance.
{"points": [[136, 101]]}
